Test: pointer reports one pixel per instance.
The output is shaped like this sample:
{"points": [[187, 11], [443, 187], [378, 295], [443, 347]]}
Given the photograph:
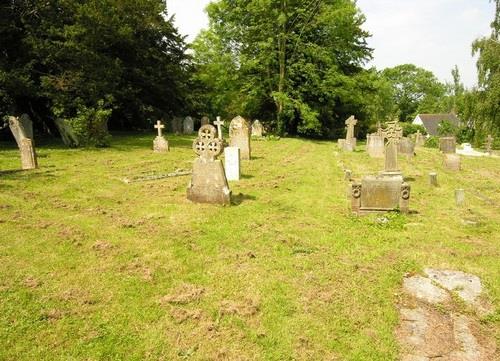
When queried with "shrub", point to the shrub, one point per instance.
{"points": [[409, 128], [432, 142]]}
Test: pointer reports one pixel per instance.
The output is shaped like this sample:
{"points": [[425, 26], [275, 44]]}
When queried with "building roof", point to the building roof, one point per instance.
{"points": [[431, 121]]}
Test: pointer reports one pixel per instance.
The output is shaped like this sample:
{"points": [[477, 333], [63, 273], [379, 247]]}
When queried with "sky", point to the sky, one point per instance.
{"points": [[432, 34]]}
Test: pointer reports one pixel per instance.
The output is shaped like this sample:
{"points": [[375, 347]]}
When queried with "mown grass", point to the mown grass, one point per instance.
{"points": [[92, 268]]}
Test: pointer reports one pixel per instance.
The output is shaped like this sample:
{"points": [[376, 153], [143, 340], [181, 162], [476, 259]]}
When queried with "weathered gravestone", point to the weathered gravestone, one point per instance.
{"points": [[232, 163], [489, 144], [28, 154], [67, 133], [452, 162], [375, 145], [406, 147], [160, 144], [208, 183], [239, 136], [219, 123], [387, 191], [205, 120], [20, 128], [177, 125], [419, 139], [349, 144], [188, 125], [257, 129], [447, 145]]}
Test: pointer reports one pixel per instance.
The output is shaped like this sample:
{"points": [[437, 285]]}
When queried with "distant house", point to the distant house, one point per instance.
{"points": [[431, 121]]}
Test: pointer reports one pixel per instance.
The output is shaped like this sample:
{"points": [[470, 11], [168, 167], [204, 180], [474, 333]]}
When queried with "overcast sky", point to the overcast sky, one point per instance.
{"points": [[432, 34]]}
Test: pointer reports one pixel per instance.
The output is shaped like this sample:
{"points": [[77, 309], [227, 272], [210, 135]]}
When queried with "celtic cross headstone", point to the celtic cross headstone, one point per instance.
{"points": [[393, 133]]}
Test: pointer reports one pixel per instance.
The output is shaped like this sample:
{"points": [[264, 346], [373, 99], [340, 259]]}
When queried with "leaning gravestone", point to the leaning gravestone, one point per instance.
{"points": [[448, 145], [257, 129], [239, 136], [205, 120], [406, 147], [67, 133], [350, 142], [375, 146], [28, 154], [18, 130], [188, 125], [232, 163], [160, 144], [208, 183]]}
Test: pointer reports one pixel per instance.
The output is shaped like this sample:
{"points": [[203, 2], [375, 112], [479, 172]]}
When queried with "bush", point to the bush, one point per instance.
{"points": [[432, 142], [409, 128], [446, 129]]}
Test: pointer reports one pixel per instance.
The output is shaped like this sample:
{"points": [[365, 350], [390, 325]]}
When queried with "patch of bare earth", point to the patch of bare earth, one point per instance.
{"points": [[185, 294], [433, 327]]}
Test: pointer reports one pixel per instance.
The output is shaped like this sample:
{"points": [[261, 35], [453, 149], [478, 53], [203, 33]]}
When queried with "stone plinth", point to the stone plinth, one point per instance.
{"points": [[375, 146], [232, 163], [208, 183], [448, 145], [380, 194], [160, 145], [239, 136], [28, 155]]}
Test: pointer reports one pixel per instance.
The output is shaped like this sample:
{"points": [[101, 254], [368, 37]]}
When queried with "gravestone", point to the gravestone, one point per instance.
{"points": [[219, 123], [160, 144], [452, 162], [205, 120], [419, 139], [208, 182], [489, 144], [377, 194], [459, 197], [393, 133], [18, 130], [406, 147], [188, 125], [447, 145], [28, 154], [257, 129], [67, 133], [239, 136], [433, 179], [350, 142], [375, 146], [177, 125], [232, 163]]}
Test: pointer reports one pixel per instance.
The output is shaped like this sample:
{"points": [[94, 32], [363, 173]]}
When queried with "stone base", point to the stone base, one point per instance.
{"points": [[377, 194], [347, 146], [160, 145], [208, 183]]}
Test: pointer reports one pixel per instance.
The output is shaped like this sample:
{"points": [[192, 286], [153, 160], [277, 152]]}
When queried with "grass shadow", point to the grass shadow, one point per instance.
{"points": [[238, 199], [247, 176]]}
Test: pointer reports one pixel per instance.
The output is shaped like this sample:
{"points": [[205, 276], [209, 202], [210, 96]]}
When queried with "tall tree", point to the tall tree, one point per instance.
{"points": [[296, 62]]}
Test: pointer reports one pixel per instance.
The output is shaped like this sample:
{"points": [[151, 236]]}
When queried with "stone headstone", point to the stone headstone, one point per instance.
{"points": [[433, 179], [28, 154], [406, 147], [188, 125], [27, 125], [419, 139], [208, 182], [447, 145], [489, 144], [205, 120], [380, 194], [452, 162], [375, 146], [232, 163], [239, 136], [67, 133], [219, 123], [17, 129], [350, 141], [393, 133], [459, 197], [257, 129], [160, 144], [177, 125]]}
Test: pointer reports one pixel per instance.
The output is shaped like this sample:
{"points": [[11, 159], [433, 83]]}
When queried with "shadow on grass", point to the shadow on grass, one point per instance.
{"points": [[409, 179], [247, 176], [238, 199]]}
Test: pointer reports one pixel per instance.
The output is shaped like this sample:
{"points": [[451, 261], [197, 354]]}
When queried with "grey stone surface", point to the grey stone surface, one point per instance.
{"points": [[406, 147], [467, 286], [452, 162], [380, 194], [393, 133], [448, 145], [17, 129], [232, 163], [205, 120], [257, 129], [239, 136], [188, 125], [350, 141], [176, 125], [419, 139], [375, 146], [423, 289], [28, 154], [67, 133]]}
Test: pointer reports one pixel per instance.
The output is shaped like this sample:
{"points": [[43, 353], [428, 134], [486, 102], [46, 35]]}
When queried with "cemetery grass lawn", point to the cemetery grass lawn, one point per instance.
{"points": [[92, 268]]}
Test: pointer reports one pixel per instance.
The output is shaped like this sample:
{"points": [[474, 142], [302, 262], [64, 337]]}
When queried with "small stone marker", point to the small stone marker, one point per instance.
{"points": [[433, 179], [459, 197], [347, 174], [406, 147], [239, 136], [205, 120], [160, 144], [393, 133], [219, 123], [257, 129], [448, 145], [375, 146], [419, 139], [350, 142], [232, 163], [489, 144], [28, 154], [208, 183], [188, 125], [452, 162]]}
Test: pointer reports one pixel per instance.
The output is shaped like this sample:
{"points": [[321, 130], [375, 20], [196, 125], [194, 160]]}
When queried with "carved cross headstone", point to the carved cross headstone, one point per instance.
{"points": [[351, 122], [419, 139], [159, 126], [207, 146], [160, 144], [379, 129], [219, 123], [393, 133], [489, 143]]}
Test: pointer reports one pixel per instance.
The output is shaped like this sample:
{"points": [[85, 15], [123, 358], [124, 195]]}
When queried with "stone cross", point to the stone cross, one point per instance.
{"points": [[159, 126], [489, 143], [351, 122], [219, 123], [207, 146], [379, 129], [393, 133]]}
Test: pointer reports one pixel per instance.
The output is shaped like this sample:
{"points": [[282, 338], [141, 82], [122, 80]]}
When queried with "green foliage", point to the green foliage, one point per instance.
{"points": [[447, 129], [432, 142], [409, 128]]}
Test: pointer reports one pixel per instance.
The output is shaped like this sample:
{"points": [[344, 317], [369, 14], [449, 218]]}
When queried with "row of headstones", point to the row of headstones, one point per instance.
{"points": [[22, 130], [187, 125]]}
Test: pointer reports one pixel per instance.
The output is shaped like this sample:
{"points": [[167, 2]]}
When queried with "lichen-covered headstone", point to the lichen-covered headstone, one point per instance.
{"points": [[17, 129], [452, 162], [489, 144], [448, 145], [239, 136], [188, 125], [257, 129], [205, 120], [393, 133], [375, 146], [160, 144], [208, 183], [350, 142], [28, 154], [419, 139], [406, 147], [67, 133]]}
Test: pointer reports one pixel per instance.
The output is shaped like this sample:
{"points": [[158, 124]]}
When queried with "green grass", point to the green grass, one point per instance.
{"points": [[285, 273]]}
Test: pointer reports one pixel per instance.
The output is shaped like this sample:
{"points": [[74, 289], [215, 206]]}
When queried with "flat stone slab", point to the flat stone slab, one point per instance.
{"points": [[423, 289], [467, 286]]}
